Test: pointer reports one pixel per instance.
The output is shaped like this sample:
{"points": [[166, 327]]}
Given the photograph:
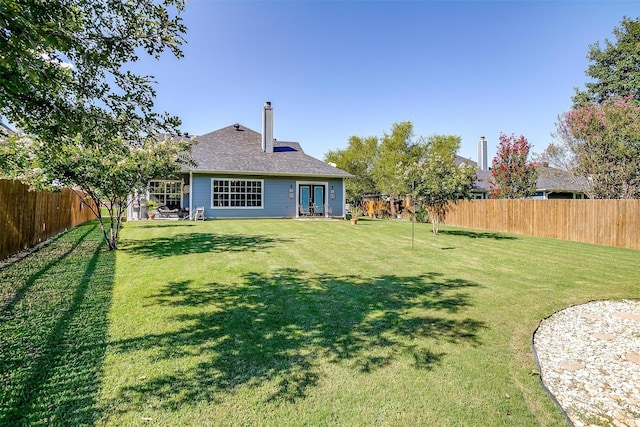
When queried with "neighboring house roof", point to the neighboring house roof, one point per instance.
{"points": [[237, 149], [549, 179], [483, 178], [552, 179]]}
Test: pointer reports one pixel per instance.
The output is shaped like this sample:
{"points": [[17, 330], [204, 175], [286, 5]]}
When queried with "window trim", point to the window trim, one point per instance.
{"points": [[166, 194], [228, 180]]}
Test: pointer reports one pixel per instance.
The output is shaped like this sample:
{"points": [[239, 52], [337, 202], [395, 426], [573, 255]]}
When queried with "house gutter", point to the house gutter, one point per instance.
{"points": [[264, 173]]}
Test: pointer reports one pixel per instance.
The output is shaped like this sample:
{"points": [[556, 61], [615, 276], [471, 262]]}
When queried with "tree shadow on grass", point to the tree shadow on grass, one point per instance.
{"points": [[281, 327], [53, 337], [191, 243], [479, 234]]}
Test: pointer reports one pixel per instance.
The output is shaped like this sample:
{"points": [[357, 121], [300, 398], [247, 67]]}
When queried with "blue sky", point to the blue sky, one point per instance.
{"points": [[333, 69]]}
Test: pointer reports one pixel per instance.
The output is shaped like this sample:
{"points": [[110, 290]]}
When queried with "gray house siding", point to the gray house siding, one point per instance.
{"points": [[276, 200]]}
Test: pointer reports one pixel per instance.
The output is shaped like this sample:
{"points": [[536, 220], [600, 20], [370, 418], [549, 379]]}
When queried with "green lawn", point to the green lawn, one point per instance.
{"points": [[282, 322]]}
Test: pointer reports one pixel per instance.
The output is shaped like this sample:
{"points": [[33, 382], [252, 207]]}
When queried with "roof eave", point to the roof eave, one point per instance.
{"points": [[253, 173]]}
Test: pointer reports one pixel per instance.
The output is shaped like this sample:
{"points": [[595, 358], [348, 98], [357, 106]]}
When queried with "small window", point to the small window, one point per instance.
{"points": [[236, 193]]}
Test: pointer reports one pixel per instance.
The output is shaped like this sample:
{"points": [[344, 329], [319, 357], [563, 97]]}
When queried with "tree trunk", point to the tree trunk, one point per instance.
{"points": [[392, 207]]}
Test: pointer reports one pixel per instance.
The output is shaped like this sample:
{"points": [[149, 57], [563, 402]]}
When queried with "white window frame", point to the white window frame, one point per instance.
{"points": [[230, 193], [165, 194]]}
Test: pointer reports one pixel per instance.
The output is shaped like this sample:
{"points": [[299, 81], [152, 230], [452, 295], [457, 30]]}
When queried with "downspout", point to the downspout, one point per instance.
{"points": [[190, 194], [344, 200]]}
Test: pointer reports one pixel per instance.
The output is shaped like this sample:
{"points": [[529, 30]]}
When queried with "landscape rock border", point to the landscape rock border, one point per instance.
{"points": [[588, 360]]}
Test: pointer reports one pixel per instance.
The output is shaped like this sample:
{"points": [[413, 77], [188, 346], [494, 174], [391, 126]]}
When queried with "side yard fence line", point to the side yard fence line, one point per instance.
{"points": [[30, 217], [602, 222]]}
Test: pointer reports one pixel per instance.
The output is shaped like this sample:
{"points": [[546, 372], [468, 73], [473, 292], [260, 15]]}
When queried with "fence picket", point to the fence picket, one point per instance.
{"points": [[602, 222], [29, 217]]}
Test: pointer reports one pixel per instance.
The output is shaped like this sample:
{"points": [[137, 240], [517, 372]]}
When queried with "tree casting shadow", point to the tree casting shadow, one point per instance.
{"points": [[192, 243], [279, 327], [479, 234], [53, 336]]}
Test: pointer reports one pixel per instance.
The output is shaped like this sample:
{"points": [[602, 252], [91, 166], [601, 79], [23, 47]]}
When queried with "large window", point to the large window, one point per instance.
{"points": [[166, 193], [236, 193]]}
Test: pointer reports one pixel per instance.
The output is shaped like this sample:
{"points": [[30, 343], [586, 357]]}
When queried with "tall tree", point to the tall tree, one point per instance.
{"points": [[396, 151], [514, 176], [601, 142], [436, 179], [614, 68], [89, 121], [63, 59], [357, 159]]}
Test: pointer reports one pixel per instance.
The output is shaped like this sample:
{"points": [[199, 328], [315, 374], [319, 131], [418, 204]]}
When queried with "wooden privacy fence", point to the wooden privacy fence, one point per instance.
{"points": [[30, 217], [603, 222]]}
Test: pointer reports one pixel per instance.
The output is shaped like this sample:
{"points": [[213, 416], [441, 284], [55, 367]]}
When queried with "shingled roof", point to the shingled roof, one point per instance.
{"points": [[549, 179], [237, 149]]}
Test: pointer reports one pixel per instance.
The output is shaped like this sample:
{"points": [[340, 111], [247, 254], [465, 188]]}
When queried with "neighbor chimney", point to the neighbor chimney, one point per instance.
{"points": [[482, 154], [267, 128]]}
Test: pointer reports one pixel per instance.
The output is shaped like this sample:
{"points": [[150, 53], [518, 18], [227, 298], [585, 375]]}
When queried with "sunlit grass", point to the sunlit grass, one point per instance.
{"points": [[281, 322]]}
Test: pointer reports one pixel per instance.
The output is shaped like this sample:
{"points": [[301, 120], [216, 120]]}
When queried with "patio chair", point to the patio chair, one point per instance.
{"points": [[199, 215], [304, 210], [318, 210]]}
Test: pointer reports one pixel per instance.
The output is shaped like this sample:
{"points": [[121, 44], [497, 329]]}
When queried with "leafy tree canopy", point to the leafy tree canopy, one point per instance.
{"points": [[357, 159], [437, 180], [614, 67], [88, 122], [63, 59], [514, 176], [396, 150], [601, 142]]}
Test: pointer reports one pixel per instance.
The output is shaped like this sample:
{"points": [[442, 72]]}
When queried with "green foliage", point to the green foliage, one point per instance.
{"points": [[422, 215], [514, 176], [357, 159], [614, 68], [106, 171], [64, 60], [395, 152], [437, 180], [397, 148], [602, 143], [355, 212], [88, 121]]}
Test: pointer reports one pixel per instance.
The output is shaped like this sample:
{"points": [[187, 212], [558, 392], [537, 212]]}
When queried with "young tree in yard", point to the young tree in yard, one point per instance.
{"points": [[614, 68], [395, 149], [100, 167], [438, 182], [602, 143], [357, 159], [513, 175]]}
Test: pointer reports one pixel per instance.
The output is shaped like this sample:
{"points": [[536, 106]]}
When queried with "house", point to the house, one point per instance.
{"points": [[241, 173], [552, 183]]}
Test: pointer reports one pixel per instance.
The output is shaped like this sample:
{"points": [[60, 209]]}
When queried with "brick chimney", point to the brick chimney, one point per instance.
{"points": [[267, 128]]}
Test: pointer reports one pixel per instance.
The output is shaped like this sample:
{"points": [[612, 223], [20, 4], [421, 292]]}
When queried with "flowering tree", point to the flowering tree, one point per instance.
{"points": [[438, 182], [602, 143], [103, 173], [514, 177]]}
